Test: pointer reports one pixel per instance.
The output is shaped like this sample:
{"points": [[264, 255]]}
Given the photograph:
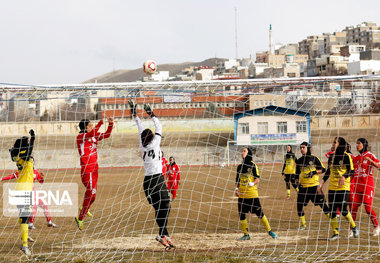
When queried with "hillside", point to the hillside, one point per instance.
{"points": [[125, 75]]}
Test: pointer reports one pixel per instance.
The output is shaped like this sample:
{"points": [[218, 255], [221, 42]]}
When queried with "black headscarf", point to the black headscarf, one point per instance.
{"points": [[308, 153], [289, 154], [83, 125], [338, 155], [247, 162], [365, 144]]}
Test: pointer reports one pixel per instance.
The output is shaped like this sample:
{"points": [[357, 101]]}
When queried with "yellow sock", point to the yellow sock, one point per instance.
{"points": [[288, 192], [303, 220], [328, 215], [244, 226], [350, 220], [24, 234], [265, 222], [297, 190], [334, 225]]}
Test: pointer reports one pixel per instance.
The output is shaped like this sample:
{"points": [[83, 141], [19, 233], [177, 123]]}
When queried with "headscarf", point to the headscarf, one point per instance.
{"points": [[365, 144]]}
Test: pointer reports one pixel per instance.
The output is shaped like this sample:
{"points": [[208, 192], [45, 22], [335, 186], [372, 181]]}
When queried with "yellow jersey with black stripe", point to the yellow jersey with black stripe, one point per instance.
{"points": [[290, 164], [337, 169], [24, 180], [246, 175], [306, 170]]}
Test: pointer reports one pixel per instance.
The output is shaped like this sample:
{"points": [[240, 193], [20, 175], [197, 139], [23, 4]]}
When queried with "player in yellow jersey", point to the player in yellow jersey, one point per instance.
{"points": [[307, 173], [247, 179], [340, 168], [289, 170], [21, 155]]}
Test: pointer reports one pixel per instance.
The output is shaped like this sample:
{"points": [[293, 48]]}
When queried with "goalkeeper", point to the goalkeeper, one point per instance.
{"points": [[247, 178], [155, 187], [21, 154]]}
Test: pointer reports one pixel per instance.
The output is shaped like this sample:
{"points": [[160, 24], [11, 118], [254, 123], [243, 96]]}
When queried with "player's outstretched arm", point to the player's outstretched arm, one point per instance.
{"points": [[10, 177], [157, 123], [107, 134]]}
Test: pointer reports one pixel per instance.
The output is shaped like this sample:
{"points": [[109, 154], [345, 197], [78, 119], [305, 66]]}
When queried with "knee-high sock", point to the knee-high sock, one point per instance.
{"points": [[24, 234], [303, 220], [350, 220], [265, 222], [372, 214], [244, 226], [334, 224], [88, 200]]}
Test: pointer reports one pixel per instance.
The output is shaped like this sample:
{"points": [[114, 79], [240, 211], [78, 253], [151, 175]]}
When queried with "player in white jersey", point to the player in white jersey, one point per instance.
{"points": [[155, 187]]}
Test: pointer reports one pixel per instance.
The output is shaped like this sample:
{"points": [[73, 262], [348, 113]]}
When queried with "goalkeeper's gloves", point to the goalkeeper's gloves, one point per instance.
{"points": [[237, 192], [251, 184], [133, 108], [148, 110]]}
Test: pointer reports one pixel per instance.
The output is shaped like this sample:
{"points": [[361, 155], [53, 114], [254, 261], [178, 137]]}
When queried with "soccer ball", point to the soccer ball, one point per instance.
{"points": [[222, 164], [149, 67]]}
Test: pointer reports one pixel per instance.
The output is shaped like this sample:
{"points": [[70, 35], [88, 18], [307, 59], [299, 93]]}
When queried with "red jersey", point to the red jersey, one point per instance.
{"points": [[164, 166], [329, 153], [87, 144], [36, 176], [173, 174], [364, 172]]}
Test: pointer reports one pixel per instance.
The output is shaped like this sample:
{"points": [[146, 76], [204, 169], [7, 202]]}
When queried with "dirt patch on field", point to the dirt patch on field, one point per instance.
{"points": [[192, 242]]}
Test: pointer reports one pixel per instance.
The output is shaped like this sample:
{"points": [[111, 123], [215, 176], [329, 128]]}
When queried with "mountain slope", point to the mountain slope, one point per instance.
{"points": [[124, 75]]}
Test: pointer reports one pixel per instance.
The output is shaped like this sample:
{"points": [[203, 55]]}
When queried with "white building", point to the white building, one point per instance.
{"points": [[363, 67], [272, 125]]}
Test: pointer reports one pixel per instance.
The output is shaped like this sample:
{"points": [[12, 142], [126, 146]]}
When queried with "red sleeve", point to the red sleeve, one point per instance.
{"points": [[94, 131], [178, 174], [38, 176], [107, 134], [10, 177]]}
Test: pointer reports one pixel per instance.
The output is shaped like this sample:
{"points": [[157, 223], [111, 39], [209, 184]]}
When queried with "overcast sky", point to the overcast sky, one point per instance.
{"points": [[57, 42]]}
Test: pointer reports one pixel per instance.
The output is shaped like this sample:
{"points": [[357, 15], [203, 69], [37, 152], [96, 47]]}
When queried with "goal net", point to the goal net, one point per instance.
{"points": [[205, 127]]}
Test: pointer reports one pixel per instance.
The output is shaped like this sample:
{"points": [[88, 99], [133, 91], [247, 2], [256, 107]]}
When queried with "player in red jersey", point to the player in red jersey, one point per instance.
{"points": [[40, 178], [87, 141], [173, 177], [362, 191]]}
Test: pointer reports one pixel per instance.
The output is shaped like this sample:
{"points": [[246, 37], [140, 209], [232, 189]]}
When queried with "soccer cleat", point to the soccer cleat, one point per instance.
{"points": [[245, 237], [351, 234], [287, 198], [302, 227], [26, 250], [30, 239], [272, 234], [376, 231], [163, 240], [51, 224], [170, 243], [334, 237], [355, 232], [79, 223], [31, 226]]}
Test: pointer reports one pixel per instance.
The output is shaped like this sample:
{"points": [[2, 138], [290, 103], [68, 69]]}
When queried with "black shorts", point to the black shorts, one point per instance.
{"points": [[289, 177], [338, 197], [249, 205], [155, 189], [306, 194]]}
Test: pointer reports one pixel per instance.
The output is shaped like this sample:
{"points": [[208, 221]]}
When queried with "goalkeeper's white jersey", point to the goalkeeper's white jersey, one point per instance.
{"points": [[151, 154]]}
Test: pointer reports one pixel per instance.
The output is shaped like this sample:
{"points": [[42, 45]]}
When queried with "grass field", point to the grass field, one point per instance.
{"points": [[203, 222]]}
